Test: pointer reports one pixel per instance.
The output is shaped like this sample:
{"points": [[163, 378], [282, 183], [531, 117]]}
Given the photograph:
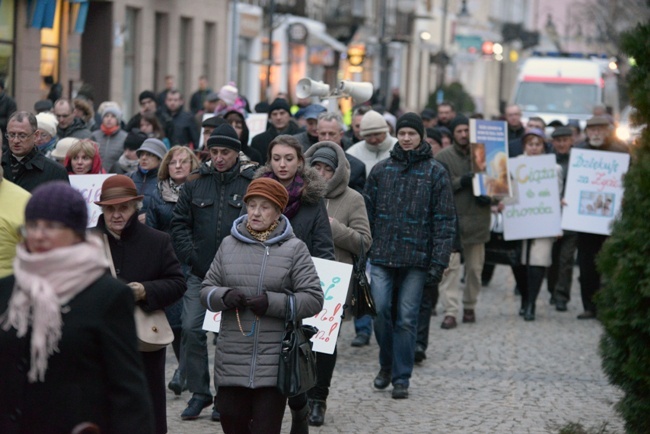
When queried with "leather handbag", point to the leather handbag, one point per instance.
{"points": [[297, 365], [361, 303], [153, 329]]}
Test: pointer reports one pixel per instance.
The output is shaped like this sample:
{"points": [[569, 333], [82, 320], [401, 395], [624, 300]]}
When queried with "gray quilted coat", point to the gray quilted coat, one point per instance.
{"points": [[279, 266]]}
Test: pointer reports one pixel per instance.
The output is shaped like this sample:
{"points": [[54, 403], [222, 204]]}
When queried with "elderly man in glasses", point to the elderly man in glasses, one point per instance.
{"points": [[24, 165]]}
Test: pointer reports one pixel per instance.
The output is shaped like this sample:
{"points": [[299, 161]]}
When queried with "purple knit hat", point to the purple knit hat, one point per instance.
{"points": [[57, 201]]}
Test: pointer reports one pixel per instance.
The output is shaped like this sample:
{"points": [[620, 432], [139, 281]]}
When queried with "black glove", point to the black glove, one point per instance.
{"points": [[234, 298], [483, 200], [258, 304], [435, 275], [466, 180]]}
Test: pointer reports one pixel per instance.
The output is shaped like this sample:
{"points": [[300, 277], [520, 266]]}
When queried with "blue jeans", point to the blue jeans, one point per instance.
{"points": [[396, 336], [194, 342]]}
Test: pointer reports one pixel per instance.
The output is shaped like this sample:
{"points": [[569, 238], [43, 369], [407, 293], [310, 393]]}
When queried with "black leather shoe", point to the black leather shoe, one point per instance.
{"points": [[560, 306], [175, 383], [317, 415], [400, 391], [587, 314], [420, 355], [194, 408], [382, 380], [300, 420], [216, 417]]}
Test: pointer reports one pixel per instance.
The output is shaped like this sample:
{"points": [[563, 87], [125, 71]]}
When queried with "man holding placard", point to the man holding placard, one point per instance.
{"points": [[593, 197], [473, 214]]}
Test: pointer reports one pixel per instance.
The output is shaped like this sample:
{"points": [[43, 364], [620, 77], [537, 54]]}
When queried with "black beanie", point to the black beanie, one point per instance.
{"points": [[458, 120], [224, 136], [146, 94], [279, 104], [411, 120], [134, 140], [434, 134]]}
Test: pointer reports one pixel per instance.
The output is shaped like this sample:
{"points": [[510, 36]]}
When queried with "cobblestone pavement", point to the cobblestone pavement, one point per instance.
{"points": [[499, 375]]}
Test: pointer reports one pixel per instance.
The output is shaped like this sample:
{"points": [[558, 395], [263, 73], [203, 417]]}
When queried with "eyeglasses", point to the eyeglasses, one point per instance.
{"points": [[48, 228], [63, 116], [179, 163], [20, 136]]}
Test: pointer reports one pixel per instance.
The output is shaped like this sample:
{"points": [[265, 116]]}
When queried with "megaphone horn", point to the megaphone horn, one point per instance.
{"points": [[360, 91], [307, 87]]}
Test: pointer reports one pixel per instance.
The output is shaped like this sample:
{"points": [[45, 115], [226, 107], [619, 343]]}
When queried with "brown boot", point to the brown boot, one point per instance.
{"points": [[469, 316]]}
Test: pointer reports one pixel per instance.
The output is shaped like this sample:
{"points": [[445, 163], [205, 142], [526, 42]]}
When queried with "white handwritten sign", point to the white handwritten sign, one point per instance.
{"points": [[536, 211], [256, 123], [90, 187], [335, 281], [594, 190]]}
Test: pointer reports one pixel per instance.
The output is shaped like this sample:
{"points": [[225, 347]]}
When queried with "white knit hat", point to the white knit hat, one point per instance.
{"points": [[47, 122], [373, 122]]}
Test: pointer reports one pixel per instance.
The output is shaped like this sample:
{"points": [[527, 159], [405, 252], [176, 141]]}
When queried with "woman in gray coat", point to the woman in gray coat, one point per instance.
{"points": [[253, 272]]}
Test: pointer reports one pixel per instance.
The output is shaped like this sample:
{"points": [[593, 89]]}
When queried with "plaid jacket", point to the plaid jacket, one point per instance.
{"points": [[411, 210]]}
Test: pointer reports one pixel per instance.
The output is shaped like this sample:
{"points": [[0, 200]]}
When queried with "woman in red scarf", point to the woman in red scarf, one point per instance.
{"points": [[83, 159]]}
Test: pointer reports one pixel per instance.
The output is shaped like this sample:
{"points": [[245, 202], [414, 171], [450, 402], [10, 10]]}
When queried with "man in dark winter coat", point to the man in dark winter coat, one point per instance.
{"points": [[473, 216], [69, 125], [185, 129], [413, 223], [600, 137], [7, 107], [22, 163], [148, 105], [280, 119], [210, 201], [330, 127]]}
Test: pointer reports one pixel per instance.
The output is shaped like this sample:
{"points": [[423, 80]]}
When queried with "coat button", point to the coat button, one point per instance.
{"points": [[117, 271]]}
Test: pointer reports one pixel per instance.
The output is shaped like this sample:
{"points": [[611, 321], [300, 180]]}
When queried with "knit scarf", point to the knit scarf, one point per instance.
{"points": [[44, 283], [169, 190], [127, 165], [295, 193], [109, 131], [262, 235]]}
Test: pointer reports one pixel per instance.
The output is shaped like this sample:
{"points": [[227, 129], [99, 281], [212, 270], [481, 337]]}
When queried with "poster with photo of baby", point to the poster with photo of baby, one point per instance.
{"points": [[489, 158], [594, 190]]}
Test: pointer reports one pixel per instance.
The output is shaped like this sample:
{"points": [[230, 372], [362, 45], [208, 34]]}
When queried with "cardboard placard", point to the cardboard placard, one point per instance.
{"points": [[90, 187], [594, 190], [536, 211]]}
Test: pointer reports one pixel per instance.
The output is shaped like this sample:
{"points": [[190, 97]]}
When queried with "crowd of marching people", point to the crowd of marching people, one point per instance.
{"points": [[198, 214]]}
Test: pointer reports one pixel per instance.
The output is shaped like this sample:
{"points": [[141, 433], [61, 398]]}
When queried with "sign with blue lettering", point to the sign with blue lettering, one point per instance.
{"points": [[534, 211], [594, 190]]}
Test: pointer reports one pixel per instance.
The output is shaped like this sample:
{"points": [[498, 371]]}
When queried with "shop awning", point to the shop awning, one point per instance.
{"points": [[324, 37], [42, 14]]}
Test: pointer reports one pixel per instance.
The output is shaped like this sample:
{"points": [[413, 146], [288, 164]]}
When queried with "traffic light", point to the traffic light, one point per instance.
{"points": [[510, 31], [356, 55], [529, 39]]}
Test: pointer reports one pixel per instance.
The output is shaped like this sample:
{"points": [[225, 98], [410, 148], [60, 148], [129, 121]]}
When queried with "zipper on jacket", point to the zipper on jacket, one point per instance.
{"points": [[251, 376]]}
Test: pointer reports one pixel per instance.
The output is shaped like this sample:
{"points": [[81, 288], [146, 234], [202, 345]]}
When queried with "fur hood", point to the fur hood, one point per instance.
{"points": [[341, 178], [314, 189]]}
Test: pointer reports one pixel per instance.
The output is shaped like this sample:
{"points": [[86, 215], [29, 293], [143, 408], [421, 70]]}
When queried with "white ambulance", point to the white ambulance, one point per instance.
{"points": [[559, 88]]}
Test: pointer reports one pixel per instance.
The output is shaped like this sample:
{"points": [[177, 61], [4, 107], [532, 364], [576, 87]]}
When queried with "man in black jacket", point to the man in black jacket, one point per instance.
{"points": [[23, 164], [185, 128], [148, 105], [330, 127], [209, 202], [280, 119]]}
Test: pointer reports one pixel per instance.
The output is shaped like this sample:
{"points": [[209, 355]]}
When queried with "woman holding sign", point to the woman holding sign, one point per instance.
{"points": [[307, 212], [253, 272], [536, 253], [350, 231]]}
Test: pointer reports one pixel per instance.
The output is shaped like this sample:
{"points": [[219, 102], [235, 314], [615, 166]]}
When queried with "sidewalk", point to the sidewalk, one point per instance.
{"points": [[500, 375]]}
